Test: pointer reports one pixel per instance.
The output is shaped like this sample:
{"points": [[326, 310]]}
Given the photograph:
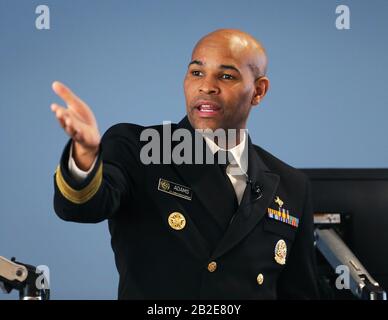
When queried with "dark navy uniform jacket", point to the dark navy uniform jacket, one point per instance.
{"points": [[256, 256]]}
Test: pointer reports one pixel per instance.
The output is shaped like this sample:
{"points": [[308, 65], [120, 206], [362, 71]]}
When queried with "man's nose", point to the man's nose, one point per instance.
{"points": [[209, 86]]}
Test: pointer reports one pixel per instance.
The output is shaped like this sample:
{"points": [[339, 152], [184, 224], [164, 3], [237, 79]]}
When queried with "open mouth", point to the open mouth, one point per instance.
{"points": [[207, 109]]}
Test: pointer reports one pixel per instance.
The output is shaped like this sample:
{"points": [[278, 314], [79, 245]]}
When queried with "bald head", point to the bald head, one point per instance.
{"points": [[238, 44], [225, 79]]}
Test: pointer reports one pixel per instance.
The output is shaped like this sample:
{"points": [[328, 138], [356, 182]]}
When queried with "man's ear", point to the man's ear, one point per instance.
{"points": [[261, 88]]}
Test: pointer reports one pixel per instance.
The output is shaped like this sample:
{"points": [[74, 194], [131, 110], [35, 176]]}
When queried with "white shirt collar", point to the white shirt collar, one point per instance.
{"points": [[239, 152]]}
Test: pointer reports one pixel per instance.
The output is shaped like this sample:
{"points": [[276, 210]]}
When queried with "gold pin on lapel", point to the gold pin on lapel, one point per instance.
{"points": [[165, 185], [281, 252], [177, 220], [279, 201]]}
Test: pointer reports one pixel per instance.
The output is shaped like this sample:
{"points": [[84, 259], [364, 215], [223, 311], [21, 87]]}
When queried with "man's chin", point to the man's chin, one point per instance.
{"points": [[206, 125]]}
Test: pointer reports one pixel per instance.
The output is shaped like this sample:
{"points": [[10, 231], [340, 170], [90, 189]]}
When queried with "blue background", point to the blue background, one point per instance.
{"points": [[327, 105]]}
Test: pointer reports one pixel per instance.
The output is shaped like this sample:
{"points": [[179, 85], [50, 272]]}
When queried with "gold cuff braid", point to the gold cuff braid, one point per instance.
{"points": [[78, 196]]}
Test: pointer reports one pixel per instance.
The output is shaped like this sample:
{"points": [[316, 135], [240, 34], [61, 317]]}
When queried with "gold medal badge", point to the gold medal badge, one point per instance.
{"points": [[177, 220], [281, 252]]}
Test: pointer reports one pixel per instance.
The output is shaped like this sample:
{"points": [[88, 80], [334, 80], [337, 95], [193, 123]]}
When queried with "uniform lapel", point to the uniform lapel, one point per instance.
{"points": [[250, 211]]}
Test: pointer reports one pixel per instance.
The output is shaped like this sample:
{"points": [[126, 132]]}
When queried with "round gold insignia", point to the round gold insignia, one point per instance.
{"points": [[176, 220], [281, 252]]}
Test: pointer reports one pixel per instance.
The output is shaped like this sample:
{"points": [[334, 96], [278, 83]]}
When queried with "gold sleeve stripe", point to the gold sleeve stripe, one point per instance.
{"points": [[78, 196]]}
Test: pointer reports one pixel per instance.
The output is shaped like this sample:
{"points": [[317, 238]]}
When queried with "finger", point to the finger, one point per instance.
{"points": [[75, 128], [69, 128], [53, 107], [67, 95], [56, 107], [62, 114]]}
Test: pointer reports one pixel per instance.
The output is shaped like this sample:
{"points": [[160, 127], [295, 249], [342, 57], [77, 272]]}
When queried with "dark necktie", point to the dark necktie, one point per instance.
{"points": [[225, 155]]}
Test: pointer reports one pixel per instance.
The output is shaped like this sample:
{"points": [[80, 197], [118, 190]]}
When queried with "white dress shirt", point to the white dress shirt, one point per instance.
{"points": [[236, 171]]}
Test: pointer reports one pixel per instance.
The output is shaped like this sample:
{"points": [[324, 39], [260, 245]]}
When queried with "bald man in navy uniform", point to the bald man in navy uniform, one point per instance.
{"points": [[188, 230]]}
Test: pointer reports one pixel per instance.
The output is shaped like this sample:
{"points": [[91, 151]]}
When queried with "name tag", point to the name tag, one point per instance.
{"points": [[175, 189]]}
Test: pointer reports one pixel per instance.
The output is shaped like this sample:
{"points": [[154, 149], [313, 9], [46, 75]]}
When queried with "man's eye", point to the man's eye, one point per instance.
{"points": [[196, 73], [227, 76]]}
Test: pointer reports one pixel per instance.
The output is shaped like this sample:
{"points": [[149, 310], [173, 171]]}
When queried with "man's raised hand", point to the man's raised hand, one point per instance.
{"points": [[78, 120]]}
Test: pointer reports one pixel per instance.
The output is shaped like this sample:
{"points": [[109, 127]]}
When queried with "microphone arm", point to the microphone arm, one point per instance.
{"points": [[337, 254], [24, 278]]}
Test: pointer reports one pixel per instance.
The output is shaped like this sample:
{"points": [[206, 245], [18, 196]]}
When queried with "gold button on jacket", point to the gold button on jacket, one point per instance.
{"points": [[260, 279], [212, 266]]}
